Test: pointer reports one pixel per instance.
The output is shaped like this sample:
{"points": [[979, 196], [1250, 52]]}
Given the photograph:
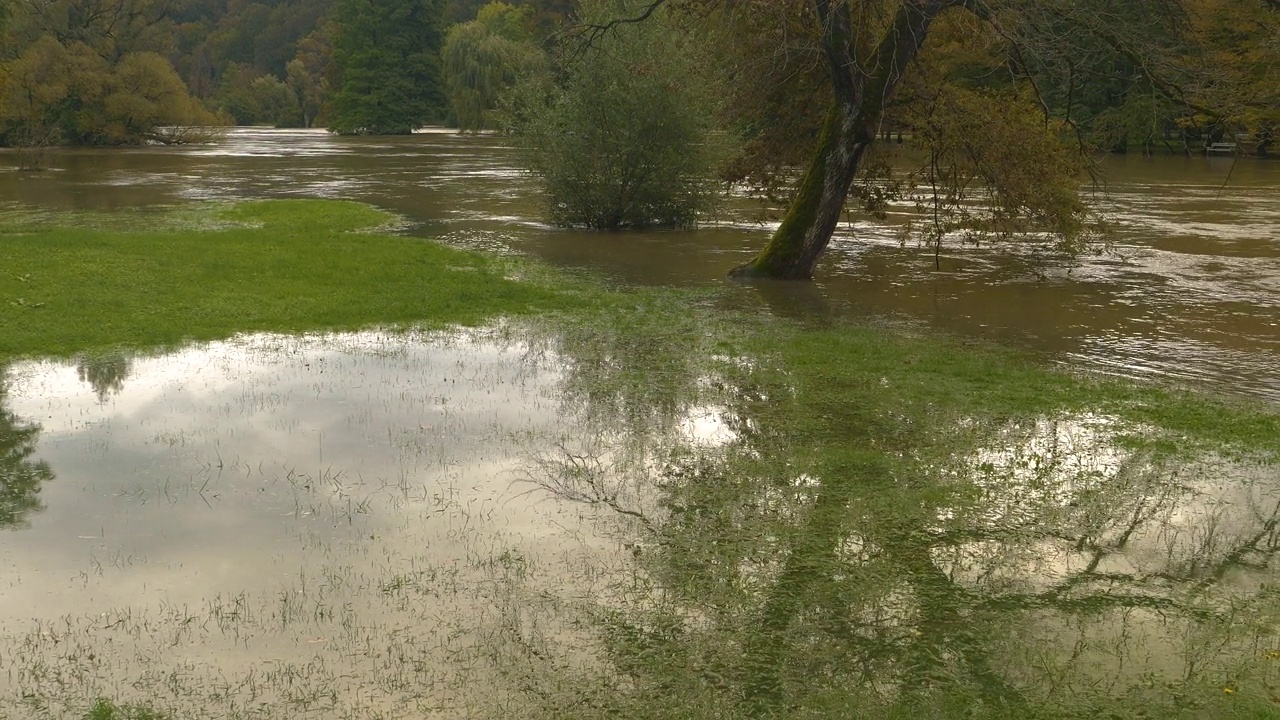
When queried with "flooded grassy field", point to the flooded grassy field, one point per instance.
{"points": [[716, 503], [550, 521], [272, 526], [1187, 292]]}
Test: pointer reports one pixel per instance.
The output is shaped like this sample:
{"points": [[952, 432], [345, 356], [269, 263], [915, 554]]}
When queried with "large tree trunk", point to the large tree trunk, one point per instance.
{"points": [[861, 90], [815, 209]]}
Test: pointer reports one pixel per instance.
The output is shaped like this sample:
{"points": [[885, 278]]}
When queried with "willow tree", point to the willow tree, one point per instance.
{"points": [[870, 50], [484, 57], [387, 57]]}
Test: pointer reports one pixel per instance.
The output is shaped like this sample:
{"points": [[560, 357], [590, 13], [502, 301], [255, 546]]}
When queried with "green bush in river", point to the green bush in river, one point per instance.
{"points": [[626, 136]]}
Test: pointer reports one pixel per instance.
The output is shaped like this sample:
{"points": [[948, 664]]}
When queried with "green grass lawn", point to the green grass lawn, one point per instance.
{"points": [[81, 283]]}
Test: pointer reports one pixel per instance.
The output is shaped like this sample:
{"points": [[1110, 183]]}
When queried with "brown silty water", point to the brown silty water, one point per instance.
{"points": [[375, 525], [1189, 290]]}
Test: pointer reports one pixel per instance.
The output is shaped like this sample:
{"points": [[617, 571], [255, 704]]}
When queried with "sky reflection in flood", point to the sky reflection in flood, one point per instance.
{"points": [[247, 503], [237, 448], [278, 526]]}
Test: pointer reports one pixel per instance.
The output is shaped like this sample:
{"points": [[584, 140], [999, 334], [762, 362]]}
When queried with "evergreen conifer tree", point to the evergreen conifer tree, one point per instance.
{"points": [[388, 58]]}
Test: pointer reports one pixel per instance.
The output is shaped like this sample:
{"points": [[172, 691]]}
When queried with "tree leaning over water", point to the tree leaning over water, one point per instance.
{"points": [[387, 54], [873, 50]]}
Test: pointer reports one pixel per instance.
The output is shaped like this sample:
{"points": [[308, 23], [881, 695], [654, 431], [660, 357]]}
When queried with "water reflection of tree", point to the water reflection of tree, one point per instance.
{"points": [[104, 373], [20, 475], [841, 554], [629, 380]]}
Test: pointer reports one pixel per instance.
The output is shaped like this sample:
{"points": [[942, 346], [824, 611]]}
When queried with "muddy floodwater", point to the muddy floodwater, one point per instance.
{"points": [[497, 521], [1190, 291]]}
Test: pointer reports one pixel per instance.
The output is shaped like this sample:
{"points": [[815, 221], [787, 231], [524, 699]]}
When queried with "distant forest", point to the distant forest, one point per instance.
{"points": [[125, 72], [260, 62], [110, 72]]}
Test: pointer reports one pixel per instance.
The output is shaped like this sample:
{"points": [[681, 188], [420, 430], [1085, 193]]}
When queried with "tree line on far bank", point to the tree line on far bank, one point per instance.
{"points": [[636, 113], [126, 72], [351, 64]]}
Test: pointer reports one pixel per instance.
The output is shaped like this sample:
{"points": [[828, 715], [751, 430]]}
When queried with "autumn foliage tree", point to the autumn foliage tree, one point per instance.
{"points": [[832, 75], [55, 93], [88, 72]]}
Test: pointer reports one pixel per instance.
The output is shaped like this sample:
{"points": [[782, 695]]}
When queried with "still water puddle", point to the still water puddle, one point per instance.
{"points": [[464, 523], [292, 522], [286, 526], [1064, 505]]}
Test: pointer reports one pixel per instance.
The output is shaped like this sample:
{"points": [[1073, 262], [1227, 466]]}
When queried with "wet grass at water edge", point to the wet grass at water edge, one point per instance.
{"points": [[104, 709], [885, 525], [79, 282]]}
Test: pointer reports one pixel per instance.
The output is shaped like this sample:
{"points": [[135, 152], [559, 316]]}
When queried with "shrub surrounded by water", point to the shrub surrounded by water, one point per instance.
{"points": [[626, 136]]}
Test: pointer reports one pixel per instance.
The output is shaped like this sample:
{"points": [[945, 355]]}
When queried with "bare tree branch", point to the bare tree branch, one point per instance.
{"points": [[594, 31]]}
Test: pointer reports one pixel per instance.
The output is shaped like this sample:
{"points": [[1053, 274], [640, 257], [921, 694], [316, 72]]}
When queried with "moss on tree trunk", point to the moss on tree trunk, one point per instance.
{"points": [[851, 126], [794, 249]]}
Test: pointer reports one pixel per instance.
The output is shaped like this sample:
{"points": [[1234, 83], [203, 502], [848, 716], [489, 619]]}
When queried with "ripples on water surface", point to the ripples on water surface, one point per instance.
{"points": [[1191, 290]]}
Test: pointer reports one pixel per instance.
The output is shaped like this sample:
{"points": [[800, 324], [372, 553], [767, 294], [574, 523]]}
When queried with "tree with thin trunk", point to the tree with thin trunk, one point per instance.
{"points": [[871, 50]]}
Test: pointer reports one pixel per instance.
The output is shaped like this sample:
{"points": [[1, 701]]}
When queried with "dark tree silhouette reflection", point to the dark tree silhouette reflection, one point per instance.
{"points": [[852, 546], [20, 475], [104, 373]]}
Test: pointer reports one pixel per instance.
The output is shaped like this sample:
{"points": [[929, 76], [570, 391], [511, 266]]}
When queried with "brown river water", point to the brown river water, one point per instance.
{"points": [[1189, 292], [415, 525]]}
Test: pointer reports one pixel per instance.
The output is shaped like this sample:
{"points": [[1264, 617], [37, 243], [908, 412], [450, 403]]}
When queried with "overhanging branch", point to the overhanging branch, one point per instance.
{"points": [[594, 31]]}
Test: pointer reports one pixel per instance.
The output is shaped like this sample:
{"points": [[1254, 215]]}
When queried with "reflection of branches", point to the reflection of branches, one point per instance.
{"points": [[20, 476], [633, 375], [587, 478], [1236, 558], [105, 374], [803, 560], [1098, 603], [1108, 527]]}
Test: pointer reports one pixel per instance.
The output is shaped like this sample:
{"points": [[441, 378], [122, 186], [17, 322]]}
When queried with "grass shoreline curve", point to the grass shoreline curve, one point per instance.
{"points": [[158, 278], [79, 283]]}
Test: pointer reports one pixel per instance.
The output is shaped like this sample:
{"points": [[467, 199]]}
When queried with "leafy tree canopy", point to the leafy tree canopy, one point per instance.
{"points": [[55, 92], [819, 82], [388, 66], [627, 136], [484, 57]]}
